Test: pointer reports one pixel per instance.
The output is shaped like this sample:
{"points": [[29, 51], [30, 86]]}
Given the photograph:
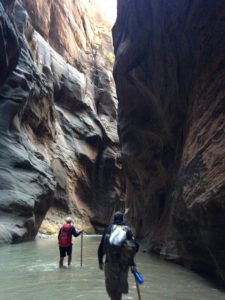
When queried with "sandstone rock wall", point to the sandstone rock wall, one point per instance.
{"points": [[58, 133], [169, 74]]}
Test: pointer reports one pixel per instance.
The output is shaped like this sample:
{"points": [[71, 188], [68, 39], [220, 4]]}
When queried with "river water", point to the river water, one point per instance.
{"points": [[29, 271]]}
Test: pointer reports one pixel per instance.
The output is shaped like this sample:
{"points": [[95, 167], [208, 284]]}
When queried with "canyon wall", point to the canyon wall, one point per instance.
{"points": [[169, 74], [58, 125]]}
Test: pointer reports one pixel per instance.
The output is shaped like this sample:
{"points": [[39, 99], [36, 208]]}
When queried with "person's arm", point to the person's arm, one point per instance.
{"points": [[101, 252], [74, 232], [130, 236], [101, 248], [59, 234]]}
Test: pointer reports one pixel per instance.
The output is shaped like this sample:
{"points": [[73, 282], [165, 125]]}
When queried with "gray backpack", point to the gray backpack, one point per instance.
{"points": [[123, 253]]}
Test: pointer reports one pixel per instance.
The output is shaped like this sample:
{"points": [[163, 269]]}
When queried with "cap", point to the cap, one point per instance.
{"points": [[68, 219], [118, 218]]}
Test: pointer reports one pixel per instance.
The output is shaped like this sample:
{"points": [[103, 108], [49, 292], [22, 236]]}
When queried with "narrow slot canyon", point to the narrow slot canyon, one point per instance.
{"points": [[115, 105]]}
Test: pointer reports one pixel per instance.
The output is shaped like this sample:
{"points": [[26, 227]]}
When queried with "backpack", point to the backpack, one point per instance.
{"points": [[65, 235], [120, 246]]}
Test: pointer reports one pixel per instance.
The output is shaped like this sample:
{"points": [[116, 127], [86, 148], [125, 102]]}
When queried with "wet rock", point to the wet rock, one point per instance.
{"points": [[169, 74], [58, 133]]}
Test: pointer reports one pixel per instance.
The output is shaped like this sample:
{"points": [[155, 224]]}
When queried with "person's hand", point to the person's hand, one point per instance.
{"points": [[101, 265]]}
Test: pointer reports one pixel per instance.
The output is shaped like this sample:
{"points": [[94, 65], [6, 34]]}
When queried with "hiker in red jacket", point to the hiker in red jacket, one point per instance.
{"points": [[65, 240]]}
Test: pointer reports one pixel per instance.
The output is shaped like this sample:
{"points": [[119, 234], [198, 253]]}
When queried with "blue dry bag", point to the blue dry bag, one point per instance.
{"points": [[137, 275]]}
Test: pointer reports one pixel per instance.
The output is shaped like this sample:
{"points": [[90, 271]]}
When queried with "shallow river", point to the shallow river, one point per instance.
{"points": [[29, 271]]}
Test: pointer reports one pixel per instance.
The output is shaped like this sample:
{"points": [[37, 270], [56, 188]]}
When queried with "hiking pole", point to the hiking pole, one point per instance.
{"points": [[138, 280], [138, 289], [81, 249]]}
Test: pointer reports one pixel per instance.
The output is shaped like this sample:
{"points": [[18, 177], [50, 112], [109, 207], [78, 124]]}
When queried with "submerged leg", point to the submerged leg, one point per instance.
{"points": [[69, 259], [61, 262]]}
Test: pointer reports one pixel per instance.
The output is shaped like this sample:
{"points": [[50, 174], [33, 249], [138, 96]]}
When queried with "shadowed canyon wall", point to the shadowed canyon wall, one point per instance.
{"points": [[58, 125], [169, 73]]}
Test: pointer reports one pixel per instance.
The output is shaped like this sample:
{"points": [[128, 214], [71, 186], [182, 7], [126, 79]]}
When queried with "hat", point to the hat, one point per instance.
{"points": [[68, 219], [118, 218]]}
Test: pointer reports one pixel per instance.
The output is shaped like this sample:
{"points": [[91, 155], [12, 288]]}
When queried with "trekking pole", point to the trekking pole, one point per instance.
{"points": [[81, 248], [138, 290], [138, 280]]}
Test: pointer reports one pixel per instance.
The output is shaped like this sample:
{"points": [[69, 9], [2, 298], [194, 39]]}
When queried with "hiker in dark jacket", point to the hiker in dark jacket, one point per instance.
{"points": [[115, 266], [65, 240]]}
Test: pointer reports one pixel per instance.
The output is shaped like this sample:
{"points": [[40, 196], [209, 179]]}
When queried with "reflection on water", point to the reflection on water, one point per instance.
{"points": [[29, 271]]}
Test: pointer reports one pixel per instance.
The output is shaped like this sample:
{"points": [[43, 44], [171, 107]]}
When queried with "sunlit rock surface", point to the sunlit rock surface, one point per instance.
{"points": [[170, 76], [58, 132]]}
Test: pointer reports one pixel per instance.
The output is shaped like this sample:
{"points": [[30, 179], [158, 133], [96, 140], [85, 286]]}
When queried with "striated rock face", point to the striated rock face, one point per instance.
{"points": [[169, 74], [58, 132]]}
